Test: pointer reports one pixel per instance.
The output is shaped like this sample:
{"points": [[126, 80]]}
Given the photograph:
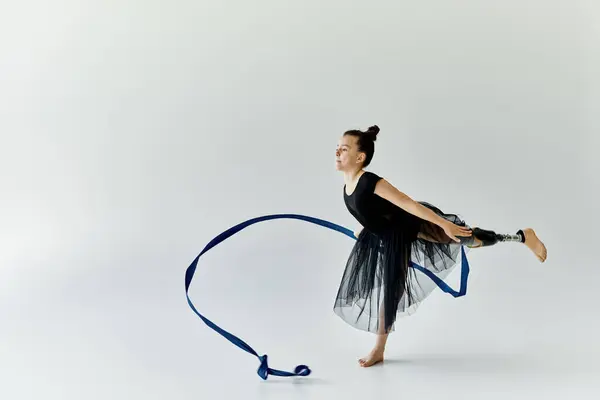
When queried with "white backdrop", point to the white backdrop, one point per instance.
{"points": [[133, 132]]}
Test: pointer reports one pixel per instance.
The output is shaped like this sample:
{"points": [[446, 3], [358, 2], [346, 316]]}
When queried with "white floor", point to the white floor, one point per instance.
{"points": [[127, 332]]}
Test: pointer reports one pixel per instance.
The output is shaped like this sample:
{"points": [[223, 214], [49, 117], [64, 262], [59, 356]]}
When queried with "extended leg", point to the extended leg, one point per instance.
{"points": [[484, 238]]}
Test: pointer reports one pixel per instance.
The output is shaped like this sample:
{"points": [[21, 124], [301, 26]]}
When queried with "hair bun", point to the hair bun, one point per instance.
{"points": [[373, 131]]}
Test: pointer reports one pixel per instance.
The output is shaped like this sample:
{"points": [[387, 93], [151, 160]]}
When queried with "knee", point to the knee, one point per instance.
{"points": [[487, 237]]}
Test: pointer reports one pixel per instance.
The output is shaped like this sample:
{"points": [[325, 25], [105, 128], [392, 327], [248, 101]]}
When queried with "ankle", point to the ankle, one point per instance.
{"points": [[379, 348]]}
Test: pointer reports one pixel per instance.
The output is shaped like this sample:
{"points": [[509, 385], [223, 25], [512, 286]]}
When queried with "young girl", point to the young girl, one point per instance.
{"points": [[377, 284]]}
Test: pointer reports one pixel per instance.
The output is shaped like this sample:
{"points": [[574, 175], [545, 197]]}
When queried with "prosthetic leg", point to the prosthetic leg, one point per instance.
{"points": [[490, 238]]}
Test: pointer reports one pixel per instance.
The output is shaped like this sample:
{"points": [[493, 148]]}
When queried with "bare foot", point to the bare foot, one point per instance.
{"points": [[374, 357], [535, 244]]}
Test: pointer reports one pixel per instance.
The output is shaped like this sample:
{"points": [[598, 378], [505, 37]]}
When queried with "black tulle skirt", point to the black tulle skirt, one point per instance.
{"points": [[379, 284]]}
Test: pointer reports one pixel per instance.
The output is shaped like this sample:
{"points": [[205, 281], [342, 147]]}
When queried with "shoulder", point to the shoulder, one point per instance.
{"points": [[371, 174], [370, 180]]}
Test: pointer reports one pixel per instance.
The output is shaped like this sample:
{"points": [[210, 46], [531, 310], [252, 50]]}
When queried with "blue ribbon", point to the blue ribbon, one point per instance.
{"points": [[301, 370]]}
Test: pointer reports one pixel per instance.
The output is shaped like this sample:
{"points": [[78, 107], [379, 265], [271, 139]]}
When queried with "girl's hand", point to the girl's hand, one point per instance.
{"points": [[453, 231]]}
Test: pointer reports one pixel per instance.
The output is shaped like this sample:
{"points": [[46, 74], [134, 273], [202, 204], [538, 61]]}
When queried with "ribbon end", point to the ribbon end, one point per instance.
{"points": [[302, 370]]}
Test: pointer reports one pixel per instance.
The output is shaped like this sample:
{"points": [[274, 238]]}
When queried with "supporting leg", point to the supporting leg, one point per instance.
{"points": [[376, 355]]}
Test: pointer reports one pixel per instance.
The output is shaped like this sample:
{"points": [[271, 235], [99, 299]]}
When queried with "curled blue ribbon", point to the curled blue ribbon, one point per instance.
{"points": [[301, 370]]}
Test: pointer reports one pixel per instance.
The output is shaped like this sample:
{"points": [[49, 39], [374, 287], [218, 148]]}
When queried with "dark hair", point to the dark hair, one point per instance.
{"points": [[366, 141]]}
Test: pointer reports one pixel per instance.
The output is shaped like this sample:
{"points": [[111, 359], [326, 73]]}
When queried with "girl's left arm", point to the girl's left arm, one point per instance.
{"points": [[386, 190]]}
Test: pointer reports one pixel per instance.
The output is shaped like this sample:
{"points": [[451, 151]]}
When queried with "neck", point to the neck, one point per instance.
{"points": [[351, 176]]}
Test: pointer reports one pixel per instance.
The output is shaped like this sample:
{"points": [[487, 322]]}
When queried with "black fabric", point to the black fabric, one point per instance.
{"points": [[487, 237], [378, 284]]}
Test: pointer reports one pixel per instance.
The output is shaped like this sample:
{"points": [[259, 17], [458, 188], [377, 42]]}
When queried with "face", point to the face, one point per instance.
{"points": [[347, 156]]}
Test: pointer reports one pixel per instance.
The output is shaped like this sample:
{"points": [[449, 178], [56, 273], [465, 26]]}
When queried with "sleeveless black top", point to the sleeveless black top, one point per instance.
{"points": [[376, 214]]}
